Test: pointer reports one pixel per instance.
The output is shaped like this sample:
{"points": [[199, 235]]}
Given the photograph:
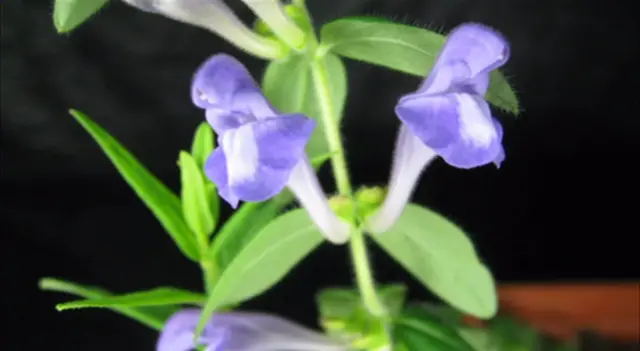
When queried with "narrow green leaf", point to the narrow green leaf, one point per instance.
{"points": [[442, 258], [196, 203], [288, 84], [69, 14], [402, 48], [153, 317], [155, 297], [201, 147], [264, 261], [203, 144], [164, 204], [417, 330]]}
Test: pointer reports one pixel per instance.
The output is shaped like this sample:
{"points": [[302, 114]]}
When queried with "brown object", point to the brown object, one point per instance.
{"points": [[562, 310]]}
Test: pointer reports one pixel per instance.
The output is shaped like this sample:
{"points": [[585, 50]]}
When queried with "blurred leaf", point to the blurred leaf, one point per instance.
{"points": [[164, 204], [196, 202], [339, 303], [402, 48], [445, 313], [153, 317], [417, 330], [264, 261], [512, 335], [69, 14], [441, 257]]}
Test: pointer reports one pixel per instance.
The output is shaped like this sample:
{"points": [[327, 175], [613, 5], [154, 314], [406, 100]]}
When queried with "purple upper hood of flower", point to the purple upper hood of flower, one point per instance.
{"points": [[448, 113], [258, 146], [260, 150]]}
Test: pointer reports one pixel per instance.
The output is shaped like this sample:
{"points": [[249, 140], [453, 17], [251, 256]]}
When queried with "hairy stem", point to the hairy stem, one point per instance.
{"points": [[359, 256]]}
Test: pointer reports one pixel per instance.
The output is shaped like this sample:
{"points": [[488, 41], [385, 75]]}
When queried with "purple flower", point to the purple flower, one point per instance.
{"points": [[447, 116], [260, 150], [241, 331]]}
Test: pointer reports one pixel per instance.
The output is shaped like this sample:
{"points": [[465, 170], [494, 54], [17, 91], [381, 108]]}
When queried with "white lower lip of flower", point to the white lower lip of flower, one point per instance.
{"points": [[217, 17], [410, 159], [306, 187], [273, 14]]}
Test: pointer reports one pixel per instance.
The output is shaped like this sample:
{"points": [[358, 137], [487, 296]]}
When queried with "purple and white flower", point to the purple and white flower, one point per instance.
{"points": [[261, 151], [447, 116], [241, 331], [215, 16]]}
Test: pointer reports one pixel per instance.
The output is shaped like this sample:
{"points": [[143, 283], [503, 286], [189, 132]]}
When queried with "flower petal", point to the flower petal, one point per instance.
{"points": [[500, 157], [410, 159], [262, 332], [306, 187], [178, 332], [471, 51], [218, 80], [458, 126], [216, 170], [261, 155]]}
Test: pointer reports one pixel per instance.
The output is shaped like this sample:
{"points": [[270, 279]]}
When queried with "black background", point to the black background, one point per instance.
{"points": [[560, 209]]}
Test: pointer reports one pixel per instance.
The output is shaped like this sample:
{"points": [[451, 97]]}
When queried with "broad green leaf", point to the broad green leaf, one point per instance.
{"points": [[155, 297], [402, 48], [417, 330], [264, 261], [240, 229], [442, 258], [69, 14], [196, 201], [164, 204], [289, 86], [203, 144], [153, 317]]}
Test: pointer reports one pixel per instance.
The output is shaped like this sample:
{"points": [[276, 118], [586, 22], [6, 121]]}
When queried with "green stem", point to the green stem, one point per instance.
{"points": [[331, 127], [359, 256], [207, 265]]}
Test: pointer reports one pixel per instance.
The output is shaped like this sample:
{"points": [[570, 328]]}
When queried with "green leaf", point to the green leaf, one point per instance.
{"points": [[153, 317], [264, 261], [445, 313], [201, 147], [480, 339], [512, 335], [417, 330], [442, 258], [402, 48], [203, 144], [240, 229], [155, 297], [344, 316], [69, 14], [340, 303], [196, 201], [164, 204], [289, 86]]}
